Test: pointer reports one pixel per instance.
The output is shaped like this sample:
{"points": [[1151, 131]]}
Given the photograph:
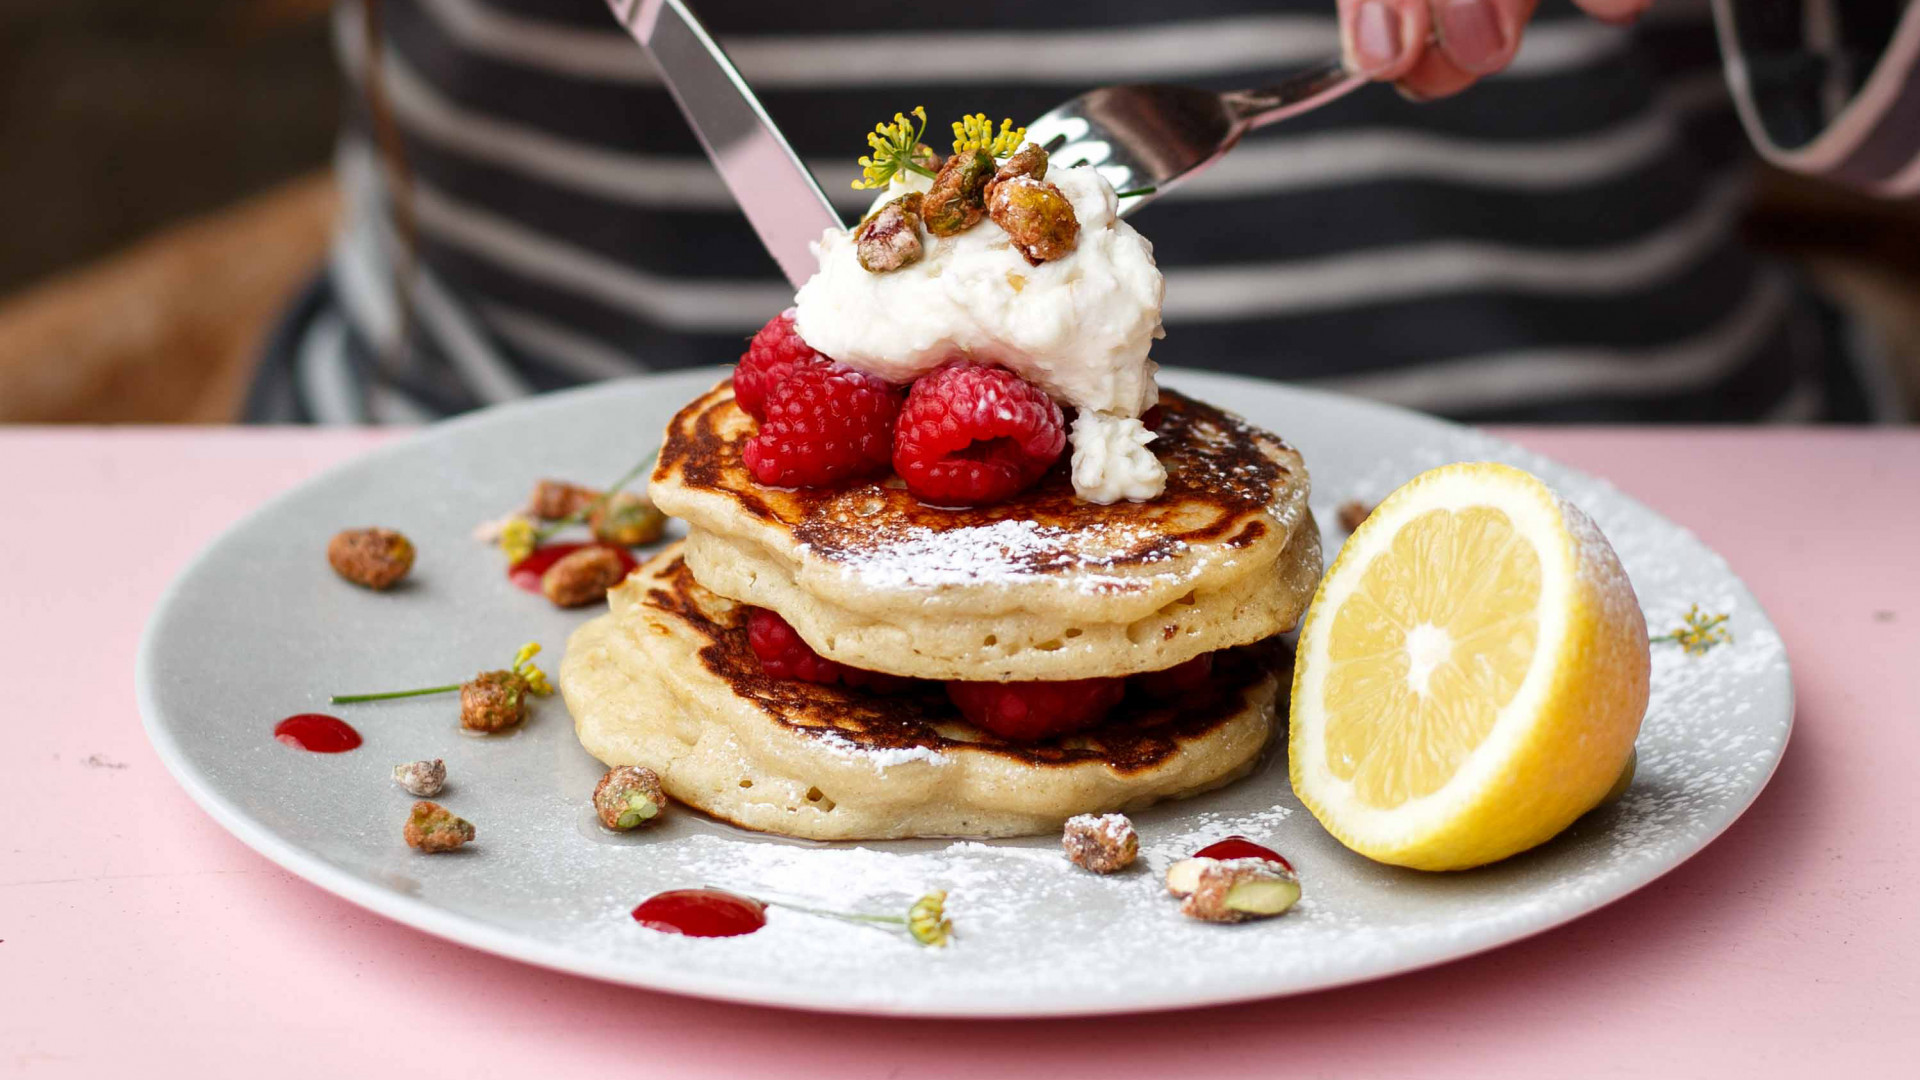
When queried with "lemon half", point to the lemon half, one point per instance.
{"points": [[1471, 675]]}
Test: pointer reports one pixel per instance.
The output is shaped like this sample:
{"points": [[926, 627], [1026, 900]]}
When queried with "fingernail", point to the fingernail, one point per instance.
{"points": [[1376, 37], [1470, 32]]}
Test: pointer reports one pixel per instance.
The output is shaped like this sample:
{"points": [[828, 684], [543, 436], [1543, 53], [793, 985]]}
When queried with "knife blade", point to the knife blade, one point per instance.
{"points": [[779, 196]]}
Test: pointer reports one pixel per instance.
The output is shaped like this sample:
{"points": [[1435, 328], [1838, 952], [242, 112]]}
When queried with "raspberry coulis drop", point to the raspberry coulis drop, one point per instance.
{"points": [[526, 573], [1239, 847], [317, 732], [701, 913]]}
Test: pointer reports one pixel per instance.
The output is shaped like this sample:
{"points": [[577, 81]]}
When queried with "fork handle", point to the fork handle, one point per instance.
{"points": [[1297, 93]]}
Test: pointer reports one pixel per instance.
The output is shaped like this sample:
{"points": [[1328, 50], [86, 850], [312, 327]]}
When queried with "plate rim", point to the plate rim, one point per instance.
{"points": [[474, 933]]}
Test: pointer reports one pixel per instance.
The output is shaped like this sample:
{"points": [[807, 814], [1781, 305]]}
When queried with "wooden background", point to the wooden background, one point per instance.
{"points": [[164, 191]]}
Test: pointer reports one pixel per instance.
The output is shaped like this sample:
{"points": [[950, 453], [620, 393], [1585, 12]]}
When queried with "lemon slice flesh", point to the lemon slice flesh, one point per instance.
{"points": [[1471, 675]]}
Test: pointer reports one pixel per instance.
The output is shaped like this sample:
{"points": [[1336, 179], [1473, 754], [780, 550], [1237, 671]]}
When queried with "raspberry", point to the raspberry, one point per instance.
{"points": [[825, 423], [784, 654], [772, 356], [1036, 710], [1178, 681], [970, 435]]}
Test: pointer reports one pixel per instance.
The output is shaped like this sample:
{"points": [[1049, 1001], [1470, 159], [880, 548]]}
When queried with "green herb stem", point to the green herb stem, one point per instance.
{"points": [[844, 916], [888, 920], [348, 699]]}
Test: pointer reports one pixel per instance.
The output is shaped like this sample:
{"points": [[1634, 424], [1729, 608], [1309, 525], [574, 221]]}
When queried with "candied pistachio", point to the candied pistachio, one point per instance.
{"points": [[433, 828], [1036, 216], [373, 558], [1353, 513], [1102, 843], [493, 701], [1235, 890], [628, 797], [627, 519], [1030, 161], [1184, 876], [422, 778], [958, 199], [582, 577], [555, 499], [890, 237]]}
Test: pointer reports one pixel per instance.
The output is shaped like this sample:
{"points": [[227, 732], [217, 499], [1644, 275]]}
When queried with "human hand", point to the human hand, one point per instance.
{"points": [[1433, 48]]}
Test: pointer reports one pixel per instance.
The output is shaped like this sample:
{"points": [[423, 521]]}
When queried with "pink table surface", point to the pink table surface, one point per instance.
{"points": [[135, 933]]}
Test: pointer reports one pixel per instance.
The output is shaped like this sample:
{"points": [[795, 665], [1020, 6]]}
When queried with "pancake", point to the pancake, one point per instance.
{"points": [[666, 680], [1043, 586]]}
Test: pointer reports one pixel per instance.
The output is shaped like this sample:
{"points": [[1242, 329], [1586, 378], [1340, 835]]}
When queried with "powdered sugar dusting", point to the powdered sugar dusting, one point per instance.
{"points": [[1110, 827], [880, 757], [917, 557], [1033, 934]]}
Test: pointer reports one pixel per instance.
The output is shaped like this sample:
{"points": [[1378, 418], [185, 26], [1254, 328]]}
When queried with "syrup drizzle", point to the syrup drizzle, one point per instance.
{"points": [[526, 573], [701, 913], [317, 732], [1239, 847]]}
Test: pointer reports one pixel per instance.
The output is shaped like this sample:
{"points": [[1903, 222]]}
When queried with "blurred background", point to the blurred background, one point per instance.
{"points": [[165, 174]]}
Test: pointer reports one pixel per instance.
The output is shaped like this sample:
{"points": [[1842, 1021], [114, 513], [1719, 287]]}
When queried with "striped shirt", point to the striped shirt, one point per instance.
{"points": [[526, 209]]}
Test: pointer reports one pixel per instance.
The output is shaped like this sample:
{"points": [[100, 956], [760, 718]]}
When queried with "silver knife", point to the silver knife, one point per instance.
{"points": [[781, 199]]}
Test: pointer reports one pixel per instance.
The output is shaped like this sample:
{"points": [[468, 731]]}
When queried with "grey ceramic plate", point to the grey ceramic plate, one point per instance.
{"points": [[259, 627]]}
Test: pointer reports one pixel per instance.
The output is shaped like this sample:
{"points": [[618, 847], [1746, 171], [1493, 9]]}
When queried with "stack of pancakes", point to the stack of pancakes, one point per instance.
{"points": [[1043, 586]]}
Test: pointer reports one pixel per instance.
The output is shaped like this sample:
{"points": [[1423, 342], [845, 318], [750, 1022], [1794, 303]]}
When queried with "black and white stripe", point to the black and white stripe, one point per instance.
{"points": [[1558, 243]]}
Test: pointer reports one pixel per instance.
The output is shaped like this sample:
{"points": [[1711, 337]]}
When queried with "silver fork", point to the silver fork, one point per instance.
{"points": [[1148, 138], [1145, 139]]}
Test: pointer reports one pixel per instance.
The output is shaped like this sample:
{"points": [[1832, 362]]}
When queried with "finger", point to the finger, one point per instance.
{"points": [[1434, 77], [1480, 36], [1618, 12], [1383, 39]]}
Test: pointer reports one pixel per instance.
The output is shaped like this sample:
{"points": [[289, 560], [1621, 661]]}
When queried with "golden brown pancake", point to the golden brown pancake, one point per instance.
{"points": [[667, 680], [1042, 586]]}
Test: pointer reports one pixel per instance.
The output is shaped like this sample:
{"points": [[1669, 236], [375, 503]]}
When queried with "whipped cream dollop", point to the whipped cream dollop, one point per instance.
{"points": [[1079, 327], [1111, 460]]}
